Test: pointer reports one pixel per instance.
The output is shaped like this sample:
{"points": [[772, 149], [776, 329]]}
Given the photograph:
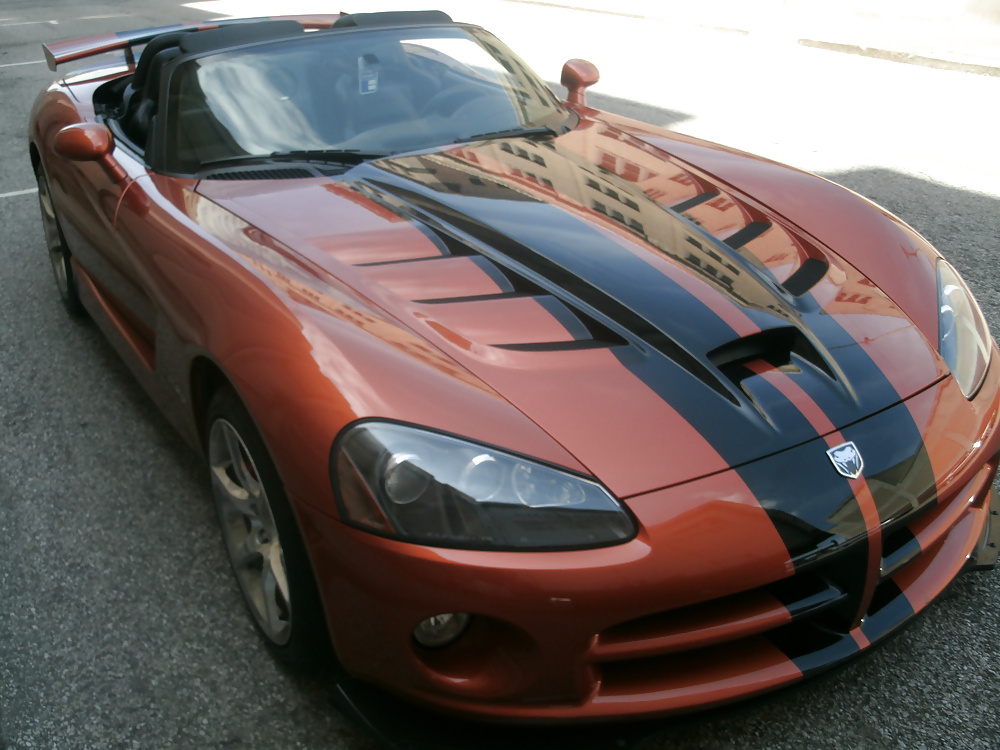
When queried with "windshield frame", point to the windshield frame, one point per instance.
{"points": [[557, 117]]}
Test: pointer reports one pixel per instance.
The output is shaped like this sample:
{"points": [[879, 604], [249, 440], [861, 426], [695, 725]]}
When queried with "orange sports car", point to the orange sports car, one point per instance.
{"points": [[532, 412]]}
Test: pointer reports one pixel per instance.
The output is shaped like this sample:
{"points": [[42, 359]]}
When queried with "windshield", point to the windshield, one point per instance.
{"points": [[371, 92]]}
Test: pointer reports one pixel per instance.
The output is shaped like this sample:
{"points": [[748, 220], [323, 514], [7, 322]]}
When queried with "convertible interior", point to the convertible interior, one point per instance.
{"points": [[371, 85]]}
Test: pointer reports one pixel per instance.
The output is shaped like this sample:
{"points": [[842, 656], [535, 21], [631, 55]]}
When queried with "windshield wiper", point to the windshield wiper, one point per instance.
{"points": [[509, 133], [339, 156], [348, 155]]}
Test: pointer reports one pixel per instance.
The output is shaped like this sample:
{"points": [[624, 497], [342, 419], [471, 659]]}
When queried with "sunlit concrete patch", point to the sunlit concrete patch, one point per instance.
{"points": [[762, 92]]}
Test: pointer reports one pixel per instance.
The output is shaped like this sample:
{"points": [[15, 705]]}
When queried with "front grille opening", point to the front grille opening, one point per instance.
{"points": [[885, 593]]}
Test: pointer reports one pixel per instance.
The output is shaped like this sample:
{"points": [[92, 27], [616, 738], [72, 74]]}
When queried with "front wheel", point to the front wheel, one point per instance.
{"points": [[261, 536], [59, 253]]}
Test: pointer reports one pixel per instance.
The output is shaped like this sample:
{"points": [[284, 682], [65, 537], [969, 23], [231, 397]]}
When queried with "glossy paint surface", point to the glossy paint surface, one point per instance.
{"points": [[638, 293], [692, 326]]}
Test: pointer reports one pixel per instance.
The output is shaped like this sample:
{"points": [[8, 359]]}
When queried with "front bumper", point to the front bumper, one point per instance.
{"points": [[706, 606]]}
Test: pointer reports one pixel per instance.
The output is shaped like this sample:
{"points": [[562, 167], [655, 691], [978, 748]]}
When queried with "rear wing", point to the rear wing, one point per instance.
{"points": [[57, 53]]}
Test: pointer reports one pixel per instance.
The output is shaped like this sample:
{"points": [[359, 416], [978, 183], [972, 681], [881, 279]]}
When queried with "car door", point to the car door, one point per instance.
{"points": [[92, 198]]}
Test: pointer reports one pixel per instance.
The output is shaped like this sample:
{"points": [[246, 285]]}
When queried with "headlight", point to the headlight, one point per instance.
{"points": [[963, 337], [428, 488]]}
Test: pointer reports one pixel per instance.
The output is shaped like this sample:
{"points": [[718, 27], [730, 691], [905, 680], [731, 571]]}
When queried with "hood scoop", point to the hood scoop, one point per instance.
{"points": [[778, 347]]}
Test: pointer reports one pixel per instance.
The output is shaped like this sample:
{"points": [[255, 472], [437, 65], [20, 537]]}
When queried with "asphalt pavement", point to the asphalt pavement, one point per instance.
{"points": [[120, 624]]}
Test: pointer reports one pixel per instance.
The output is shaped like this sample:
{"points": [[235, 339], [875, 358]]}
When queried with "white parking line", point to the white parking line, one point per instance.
{"points": [[27, 23], [4, 22], [18, 192], [30, 62]]}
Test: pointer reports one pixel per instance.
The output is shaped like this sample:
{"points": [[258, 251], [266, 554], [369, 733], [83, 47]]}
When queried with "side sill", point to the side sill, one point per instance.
{"points": [[139, 344]]}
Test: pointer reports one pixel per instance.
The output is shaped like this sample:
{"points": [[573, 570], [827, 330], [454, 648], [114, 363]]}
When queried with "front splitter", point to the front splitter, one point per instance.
{"points": [[985, 556]]}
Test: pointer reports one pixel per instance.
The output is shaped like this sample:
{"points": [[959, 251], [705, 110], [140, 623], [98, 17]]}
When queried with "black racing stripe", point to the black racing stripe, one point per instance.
{"points": [[860, 387], [863, 388], [889, 608], [813, 649], [899, 548], [805, 595], [810, 505], [767, 399], [549, 244], [897, 466]]}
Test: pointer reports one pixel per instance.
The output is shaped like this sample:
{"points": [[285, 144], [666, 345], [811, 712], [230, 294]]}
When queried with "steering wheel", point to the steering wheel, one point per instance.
{"points": [[453, 97]]}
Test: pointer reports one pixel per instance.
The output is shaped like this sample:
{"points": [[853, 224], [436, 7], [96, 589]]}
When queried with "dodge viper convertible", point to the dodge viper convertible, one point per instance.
{"points": [[531, 412]]}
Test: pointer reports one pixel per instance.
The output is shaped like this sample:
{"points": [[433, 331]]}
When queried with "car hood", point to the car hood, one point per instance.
{"points": [[657, 324]]}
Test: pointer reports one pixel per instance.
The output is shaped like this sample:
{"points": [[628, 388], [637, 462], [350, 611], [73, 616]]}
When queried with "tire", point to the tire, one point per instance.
{"points": [[59, 255], [262, 538]]}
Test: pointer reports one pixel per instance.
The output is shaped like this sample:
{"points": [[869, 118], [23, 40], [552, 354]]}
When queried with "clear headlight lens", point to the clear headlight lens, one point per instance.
{"points": [[428, 488], [963, 337]]}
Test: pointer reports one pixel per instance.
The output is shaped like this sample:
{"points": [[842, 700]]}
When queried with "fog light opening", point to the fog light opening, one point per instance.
{"points": [[441, 630]]}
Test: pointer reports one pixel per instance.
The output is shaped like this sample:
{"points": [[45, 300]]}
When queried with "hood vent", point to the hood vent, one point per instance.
{"points": [[806, 276], [586, 331], [747, 234], [552, 267], [690, 203]]}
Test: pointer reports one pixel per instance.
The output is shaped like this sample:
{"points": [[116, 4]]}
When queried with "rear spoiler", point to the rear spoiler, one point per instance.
{"points": [[57, 53]]}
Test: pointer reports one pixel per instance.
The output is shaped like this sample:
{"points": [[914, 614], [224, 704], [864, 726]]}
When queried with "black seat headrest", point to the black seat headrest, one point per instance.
{"points": [[156, 44], [237, 34]]}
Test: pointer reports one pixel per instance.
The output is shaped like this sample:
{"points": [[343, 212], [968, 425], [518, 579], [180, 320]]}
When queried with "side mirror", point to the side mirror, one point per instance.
{"points": [[577, 75], [88, 141]]}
